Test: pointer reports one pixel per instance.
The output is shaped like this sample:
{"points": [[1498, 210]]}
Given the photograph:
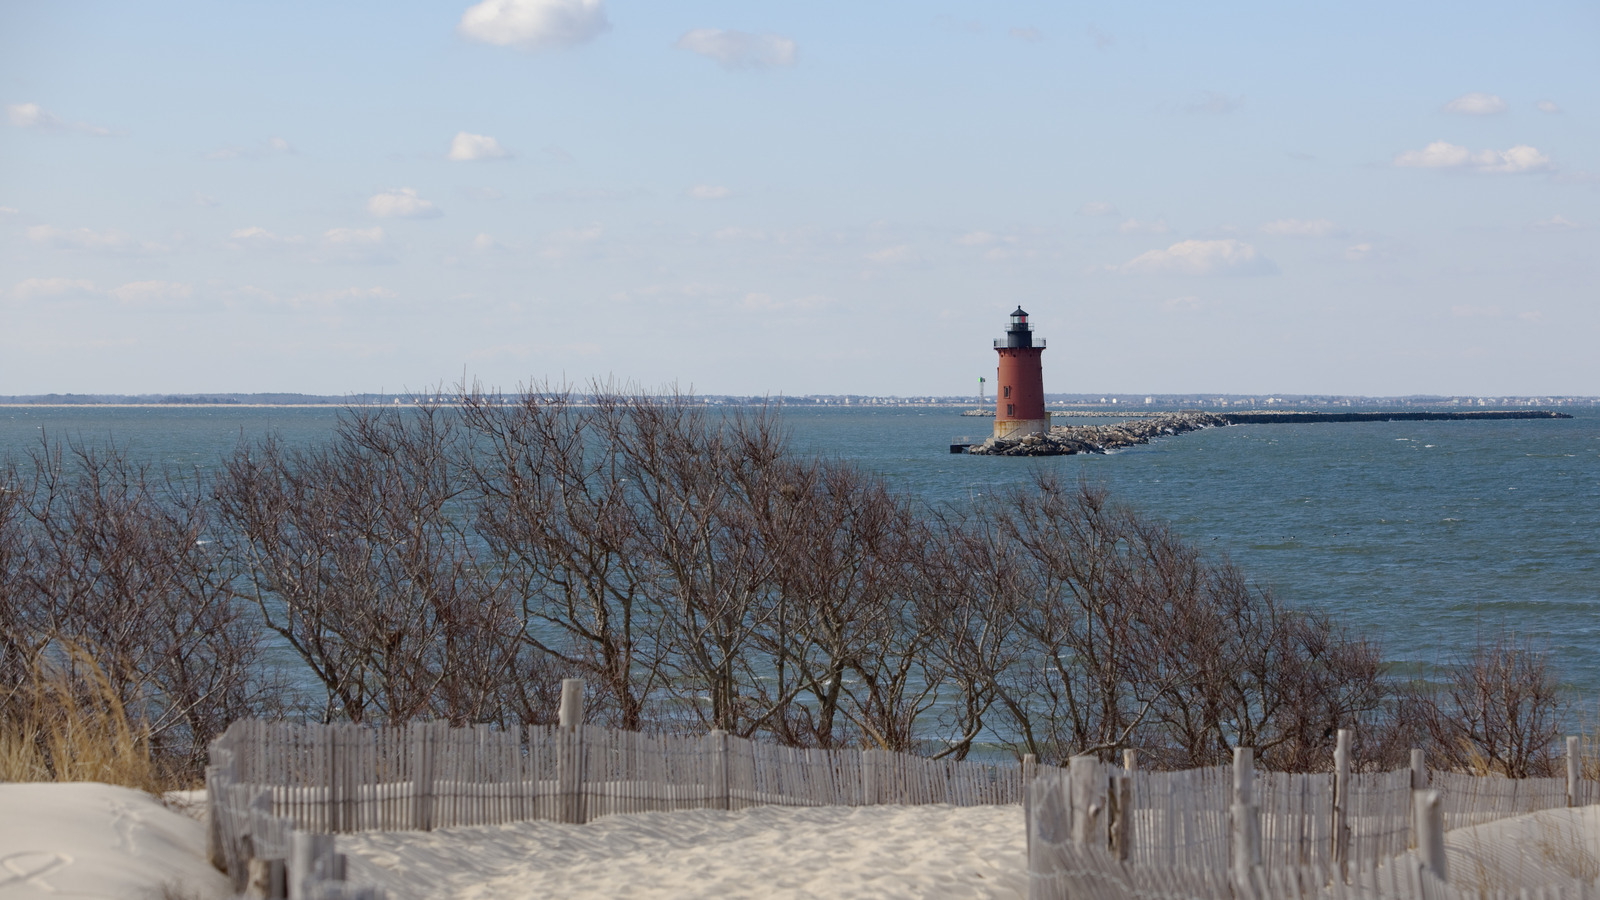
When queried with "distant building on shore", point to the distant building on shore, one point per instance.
{"points": [[1019, 384]]}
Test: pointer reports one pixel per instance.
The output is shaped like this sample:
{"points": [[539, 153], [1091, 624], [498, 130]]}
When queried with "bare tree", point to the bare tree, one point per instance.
{"points": [[114, 559], [1499, 709], [558, 515], [359, 557]]}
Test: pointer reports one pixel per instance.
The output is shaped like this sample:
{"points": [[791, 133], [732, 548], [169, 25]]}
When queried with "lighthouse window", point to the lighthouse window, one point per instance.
{"points": [[1008, 391], [1011, 409]]}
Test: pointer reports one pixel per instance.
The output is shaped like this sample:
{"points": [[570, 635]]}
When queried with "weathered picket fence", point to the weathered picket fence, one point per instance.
{"points": [[268, 780], [1115, 833]]}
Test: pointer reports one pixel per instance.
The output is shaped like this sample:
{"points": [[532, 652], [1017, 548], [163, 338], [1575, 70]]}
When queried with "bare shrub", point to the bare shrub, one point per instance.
{"points": [[556, 513], [115, 558], [358, 555], [1126, 637], [1498, 710]]}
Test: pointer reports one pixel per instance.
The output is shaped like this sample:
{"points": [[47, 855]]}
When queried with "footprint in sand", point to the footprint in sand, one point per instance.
{"points": [[25, 868]]}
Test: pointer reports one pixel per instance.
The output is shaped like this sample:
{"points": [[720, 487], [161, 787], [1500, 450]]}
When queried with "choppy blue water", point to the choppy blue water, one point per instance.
{"points": [[1418, 533]]}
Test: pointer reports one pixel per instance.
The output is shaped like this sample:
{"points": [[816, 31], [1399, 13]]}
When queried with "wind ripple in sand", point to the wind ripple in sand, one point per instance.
{"points": [[878, 851]]}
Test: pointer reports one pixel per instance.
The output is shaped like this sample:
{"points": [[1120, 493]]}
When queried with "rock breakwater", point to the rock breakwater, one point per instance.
{"points": [[1064, 440]]}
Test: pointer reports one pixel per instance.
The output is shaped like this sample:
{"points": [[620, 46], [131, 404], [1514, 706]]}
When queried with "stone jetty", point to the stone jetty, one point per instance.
{"points": [[1068, 439], [1064, 440]]}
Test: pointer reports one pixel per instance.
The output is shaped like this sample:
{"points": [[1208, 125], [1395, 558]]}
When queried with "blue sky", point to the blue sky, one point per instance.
{"points": [[758, 198]]}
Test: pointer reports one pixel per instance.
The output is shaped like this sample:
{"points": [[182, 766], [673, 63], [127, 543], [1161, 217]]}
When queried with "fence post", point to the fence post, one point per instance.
{"points": [[1419, 782], [1246, 822], [217, 778], [1429, 814], [1121, 803], [569, 752], [718, 739], [1122, 824], [1088, 801], [1341, 803], [1030, 771], [1574, 773], [422, 754], [869, 777], [311, 862], [329, 734]]}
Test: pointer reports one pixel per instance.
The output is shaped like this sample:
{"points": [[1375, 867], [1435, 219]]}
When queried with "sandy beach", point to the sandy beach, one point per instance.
{"points": [[99, 841]]}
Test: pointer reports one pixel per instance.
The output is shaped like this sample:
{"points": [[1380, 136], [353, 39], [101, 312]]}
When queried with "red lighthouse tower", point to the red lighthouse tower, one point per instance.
{"points": [[1019, 386]]}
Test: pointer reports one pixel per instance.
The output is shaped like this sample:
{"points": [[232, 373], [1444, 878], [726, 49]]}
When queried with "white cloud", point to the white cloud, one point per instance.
{"points": [[8, 210], [767, 303], [735, 233], [270, 147], [401, 203], [1134, 226], [336, 297], [1097, 208], [487, 194], [1359, 252], [1213, 103], [353, 237], [1300, 228], [1547, 106], [1224, 257], [1443, 155], [258, 238], [31, 115], [982, 239], [1476, 312], [1030, 35], [533, 25], [152, 293], [710, 192], [354, 245], [739, 49], [206, 200], [897, 255], [1556, 223], [1186, 302], [86, 239], [467, 147], [43, 288], [569, 242], [1476, 104]]}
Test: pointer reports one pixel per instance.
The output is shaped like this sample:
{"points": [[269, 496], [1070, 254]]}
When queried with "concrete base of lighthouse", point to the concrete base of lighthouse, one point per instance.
{"points": [[1013, 429]]}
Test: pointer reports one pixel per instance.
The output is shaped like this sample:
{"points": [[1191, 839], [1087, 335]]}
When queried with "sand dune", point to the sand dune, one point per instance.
{"points": [[867, 852], [99, 841]]}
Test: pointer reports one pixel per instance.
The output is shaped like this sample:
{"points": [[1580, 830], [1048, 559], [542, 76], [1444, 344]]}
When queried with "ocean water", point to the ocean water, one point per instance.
{"points": [[1420, 534]]}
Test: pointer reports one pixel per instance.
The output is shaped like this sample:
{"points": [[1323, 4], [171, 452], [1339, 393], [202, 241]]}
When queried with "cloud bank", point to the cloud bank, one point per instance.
{"points": [[401, 203], [533, 25], [466, 147], [1443, 155], [739, 49], [1476, 104], [1300, 228], [1224, 257], [32, 115]]}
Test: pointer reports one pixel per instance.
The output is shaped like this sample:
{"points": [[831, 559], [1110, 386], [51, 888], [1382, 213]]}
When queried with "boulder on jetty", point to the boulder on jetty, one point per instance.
{"points": [[1064, 440]]}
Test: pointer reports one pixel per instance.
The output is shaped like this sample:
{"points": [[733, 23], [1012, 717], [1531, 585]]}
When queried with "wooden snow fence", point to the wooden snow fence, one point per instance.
{"points": [[270, 780], [1101, 831]]}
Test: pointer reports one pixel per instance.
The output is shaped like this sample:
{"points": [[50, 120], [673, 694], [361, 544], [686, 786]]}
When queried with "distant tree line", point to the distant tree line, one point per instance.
{"points": [[454, 563]]}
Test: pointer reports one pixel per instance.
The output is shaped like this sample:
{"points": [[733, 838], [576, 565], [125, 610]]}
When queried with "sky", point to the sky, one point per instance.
{"points": [[799, 198]]}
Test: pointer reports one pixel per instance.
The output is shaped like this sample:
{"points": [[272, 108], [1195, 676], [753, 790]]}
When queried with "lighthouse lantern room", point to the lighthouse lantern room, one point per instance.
{"points": [[1019, 385]]}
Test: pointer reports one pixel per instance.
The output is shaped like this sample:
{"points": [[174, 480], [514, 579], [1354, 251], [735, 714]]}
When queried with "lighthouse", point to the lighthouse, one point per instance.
{"points": [[1019, 385]]}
